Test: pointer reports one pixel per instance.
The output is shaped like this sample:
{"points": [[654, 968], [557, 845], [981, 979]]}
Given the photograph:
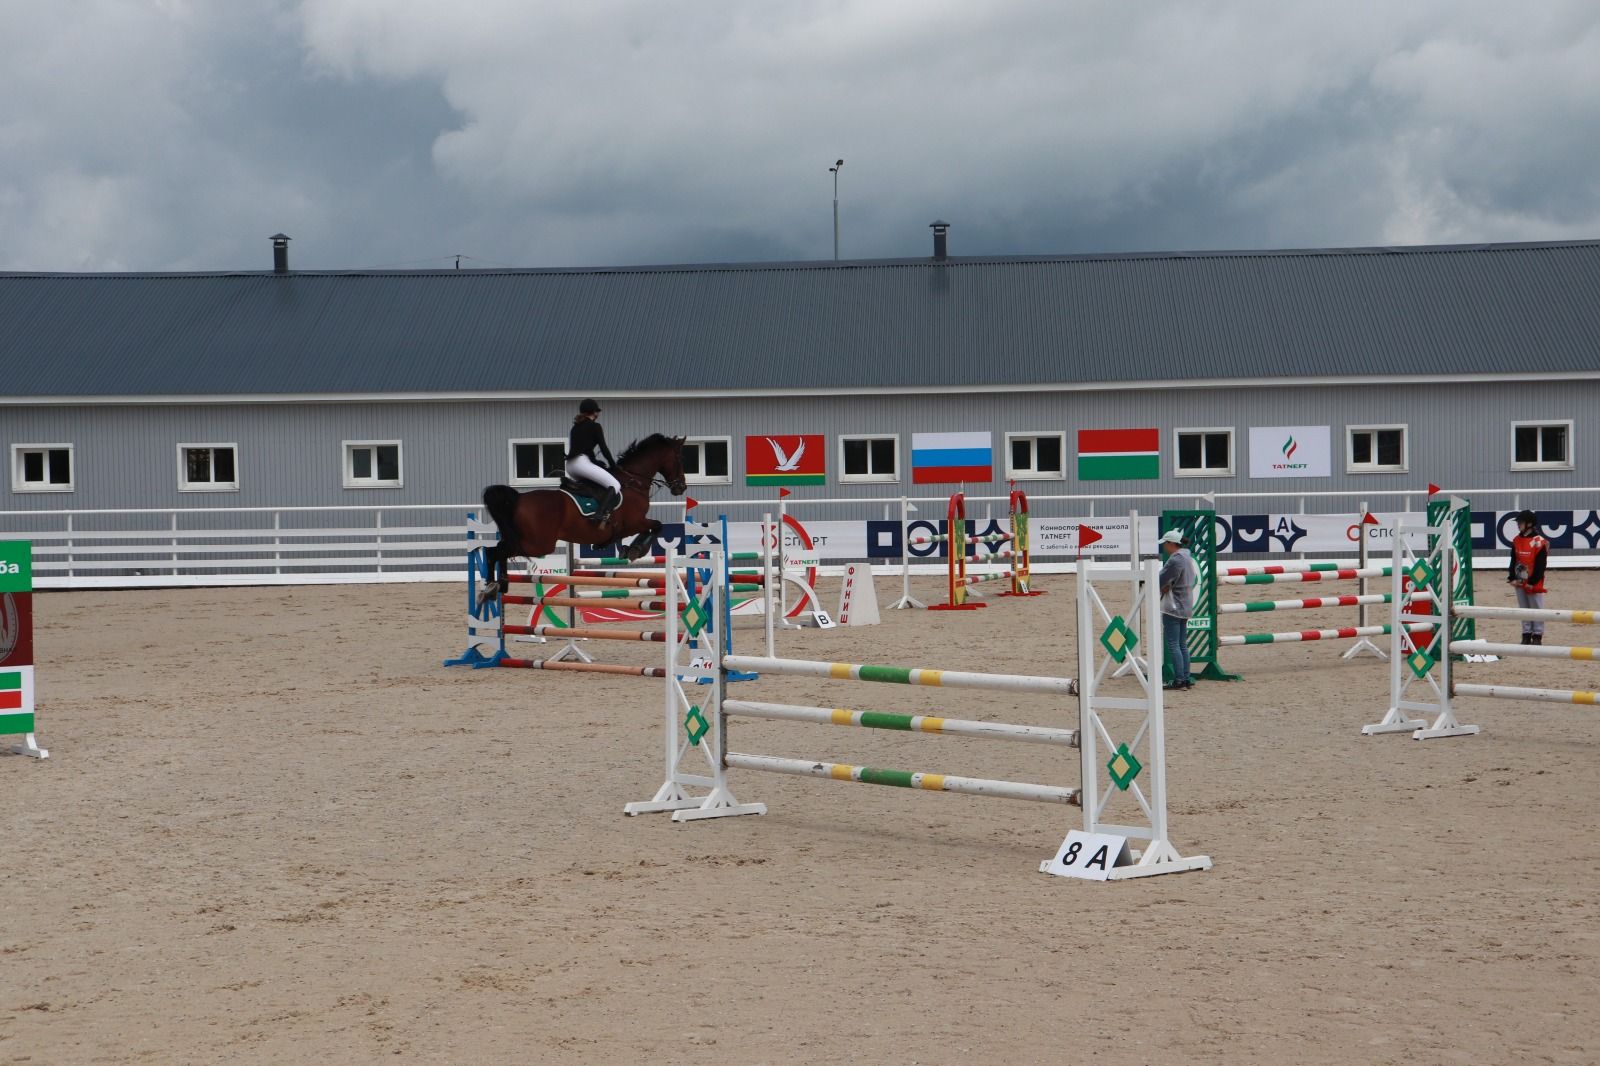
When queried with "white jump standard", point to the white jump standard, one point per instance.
{"points": [[699, 717]]}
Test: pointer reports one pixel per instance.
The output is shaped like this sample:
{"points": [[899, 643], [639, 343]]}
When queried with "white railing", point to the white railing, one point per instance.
{"points": [[242, 545], [166, 547]]}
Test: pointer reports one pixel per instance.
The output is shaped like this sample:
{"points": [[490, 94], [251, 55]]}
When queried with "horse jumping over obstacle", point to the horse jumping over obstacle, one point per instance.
{"points": [[532, 522]]}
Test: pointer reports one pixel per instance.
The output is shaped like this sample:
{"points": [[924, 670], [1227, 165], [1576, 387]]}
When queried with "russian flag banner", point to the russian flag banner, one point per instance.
{"points": [[947, 458]]}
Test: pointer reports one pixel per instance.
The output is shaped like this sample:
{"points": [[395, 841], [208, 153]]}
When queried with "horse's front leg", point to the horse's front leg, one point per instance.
{"points": [[641, 543]]}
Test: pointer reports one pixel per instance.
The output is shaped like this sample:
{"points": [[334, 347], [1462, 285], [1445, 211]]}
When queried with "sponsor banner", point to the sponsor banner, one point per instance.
{"points": [[1119, 454], [16, 566], [1291, 451], [946, 458], [1057, 539], [786, 459]]}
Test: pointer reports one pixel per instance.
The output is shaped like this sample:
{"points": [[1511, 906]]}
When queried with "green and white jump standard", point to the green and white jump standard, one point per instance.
{"points": [[16, 648], [698, 717], [1430, 665]]}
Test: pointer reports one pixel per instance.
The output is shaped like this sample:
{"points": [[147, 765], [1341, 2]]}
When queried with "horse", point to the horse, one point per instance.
{"points": [[532, 522]]}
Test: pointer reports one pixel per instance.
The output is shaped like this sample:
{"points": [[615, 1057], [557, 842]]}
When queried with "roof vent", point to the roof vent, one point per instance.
{"points": [[280, 253], [939, 230]]}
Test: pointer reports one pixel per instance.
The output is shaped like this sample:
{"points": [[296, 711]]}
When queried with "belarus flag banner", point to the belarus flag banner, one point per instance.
{"points": [[1119, 454], [945, 458], [792, 459]]}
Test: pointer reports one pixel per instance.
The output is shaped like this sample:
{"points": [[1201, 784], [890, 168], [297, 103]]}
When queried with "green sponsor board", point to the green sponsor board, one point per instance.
{"points": [[16, 566]]}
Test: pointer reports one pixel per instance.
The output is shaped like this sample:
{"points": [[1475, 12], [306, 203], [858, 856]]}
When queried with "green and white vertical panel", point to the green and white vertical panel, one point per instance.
{"points": [[1460, 521], [1199, 528], [16, 647]]}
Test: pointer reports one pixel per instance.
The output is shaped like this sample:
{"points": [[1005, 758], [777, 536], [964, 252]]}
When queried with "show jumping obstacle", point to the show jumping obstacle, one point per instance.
{"points": [[16, 647], [1204, 635], [961, 594], [698, 718], [487, 629], [1430, 664], [601, 590]]}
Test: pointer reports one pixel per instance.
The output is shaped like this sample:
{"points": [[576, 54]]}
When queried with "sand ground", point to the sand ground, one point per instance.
{"points": [[274, 830]]}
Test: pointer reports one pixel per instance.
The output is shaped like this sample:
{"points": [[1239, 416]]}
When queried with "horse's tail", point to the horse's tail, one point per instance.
{"points": [[501, 503]]}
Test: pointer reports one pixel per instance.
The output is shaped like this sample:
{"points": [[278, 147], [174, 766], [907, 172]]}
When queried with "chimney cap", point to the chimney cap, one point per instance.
{"points": [[280, 237], [939, 225]]}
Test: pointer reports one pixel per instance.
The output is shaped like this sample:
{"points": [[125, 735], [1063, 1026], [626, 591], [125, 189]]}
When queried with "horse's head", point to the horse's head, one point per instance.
{"points": [[656, 456], [672, 469]]}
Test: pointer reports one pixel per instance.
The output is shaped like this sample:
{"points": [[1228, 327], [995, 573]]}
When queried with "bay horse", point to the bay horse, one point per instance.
{"points": [[532, 522]]}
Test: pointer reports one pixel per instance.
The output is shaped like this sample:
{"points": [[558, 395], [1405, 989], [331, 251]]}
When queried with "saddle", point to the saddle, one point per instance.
{"points": [[585, 493]]}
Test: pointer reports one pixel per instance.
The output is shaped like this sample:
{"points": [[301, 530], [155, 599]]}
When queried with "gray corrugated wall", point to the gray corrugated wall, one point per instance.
{"points": [[290, 454]]}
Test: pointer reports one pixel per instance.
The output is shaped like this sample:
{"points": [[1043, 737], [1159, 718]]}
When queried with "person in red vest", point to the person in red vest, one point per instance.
{"points": [[1529, 553]]}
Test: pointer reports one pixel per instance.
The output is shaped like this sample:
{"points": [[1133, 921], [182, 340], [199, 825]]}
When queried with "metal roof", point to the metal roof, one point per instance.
{"points": [[911, 324]]}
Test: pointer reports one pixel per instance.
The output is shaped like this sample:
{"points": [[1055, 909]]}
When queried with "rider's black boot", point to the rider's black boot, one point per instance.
{"points": [[609, 505]]}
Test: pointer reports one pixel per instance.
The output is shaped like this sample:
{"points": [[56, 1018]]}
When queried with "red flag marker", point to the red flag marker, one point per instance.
{"points": [[1087, 536], [1368, 519], [784, 492], [1433, 489], [690, 503]]}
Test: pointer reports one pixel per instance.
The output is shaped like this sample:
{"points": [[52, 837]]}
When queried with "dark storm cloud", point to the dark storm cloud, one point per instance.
{"points": [[179, 135]]}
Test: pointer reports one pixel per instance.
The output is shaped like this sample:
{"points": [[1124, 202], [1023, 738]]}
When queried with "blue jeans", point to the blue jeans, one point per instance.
{"points": [[1174, 634]]}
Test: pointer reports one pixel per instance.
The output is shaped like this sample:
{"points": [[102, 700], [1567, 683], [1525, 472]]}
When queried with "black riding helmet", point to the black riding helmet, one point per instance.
{"points": [[1528, 517], [589, 407]]}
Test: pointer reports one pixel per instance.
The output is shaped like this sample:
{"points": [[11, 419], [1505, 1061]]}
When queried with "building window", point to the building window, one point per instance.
{"points": [[41, 468], [1541, 445], [208, 468], [1035, 456], [869, 458], [1376, 450], [705, 460], [538, 462], [1203, 452], [372, 464]]}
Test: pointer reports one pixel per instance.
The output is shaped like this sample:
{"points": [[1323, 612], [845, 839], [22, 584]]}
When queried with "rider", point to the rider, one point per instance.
{"points": [[585, 437]]}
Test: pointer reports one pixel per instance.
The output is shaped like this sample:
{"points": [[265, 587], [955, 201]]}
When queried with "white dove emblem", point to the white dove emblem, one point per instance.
{"points": [[787, 462]]}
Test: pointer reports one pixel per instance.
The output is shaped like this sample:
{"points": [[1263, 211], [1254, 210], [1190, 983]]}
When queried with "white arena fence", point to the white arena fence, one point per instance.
{"points": [[298, 545]]}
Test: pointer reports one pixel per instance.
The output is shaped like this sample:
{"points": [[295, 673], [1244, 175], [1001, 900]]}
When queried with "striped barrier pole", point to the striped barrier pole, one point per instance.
{"points": [[1530, 614], [866, 775], [904, 675], [1313, 603], [586, 667], [1533, 651], [1305, 575], [911, 723], [1543, 695], [1295, 567], [1342, 633]]}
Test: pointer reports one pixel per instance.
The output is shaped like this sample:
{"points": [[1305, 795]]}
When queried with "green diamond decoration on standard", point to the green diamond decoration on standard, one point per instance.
{"points": [[1420, 662], [1123, 767], [695, 617], [1118, 639], [1421, 574], [695, 725]]}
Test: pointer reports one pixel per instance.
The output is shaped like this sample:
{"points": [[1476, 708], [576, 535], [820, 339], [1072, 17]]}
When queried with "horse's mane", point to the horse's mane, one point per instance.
{"points": [[648, 444]]}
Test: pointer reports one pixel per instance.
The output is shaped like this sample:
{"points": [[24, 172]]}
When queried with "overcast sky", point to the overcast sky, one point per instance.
{"points": [[181, 134]]}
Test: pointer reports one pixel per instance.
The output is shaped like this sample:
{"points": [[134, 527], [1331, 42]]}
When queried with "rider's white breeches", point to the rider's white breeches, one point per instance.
{"points": [[585, 467]]}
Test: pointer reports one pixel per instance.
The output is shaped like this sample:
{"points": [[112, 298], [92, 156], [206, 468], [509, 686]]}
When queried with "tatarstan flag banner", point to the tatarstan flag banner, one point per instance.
{"points": [[1119, 454], [946, 458], [786, 459]]}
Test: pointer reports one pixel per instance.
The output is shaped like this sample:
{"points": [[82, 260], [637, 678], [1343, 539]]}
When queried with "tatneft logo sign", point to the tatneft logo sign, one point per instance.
{"points": [[1291, 451]]}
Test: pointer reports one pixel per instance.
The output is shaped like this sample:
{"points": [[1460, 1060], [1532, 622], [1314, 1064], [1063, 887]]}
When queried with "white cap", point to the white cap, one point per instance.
{"points": [[1171, 536]]}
